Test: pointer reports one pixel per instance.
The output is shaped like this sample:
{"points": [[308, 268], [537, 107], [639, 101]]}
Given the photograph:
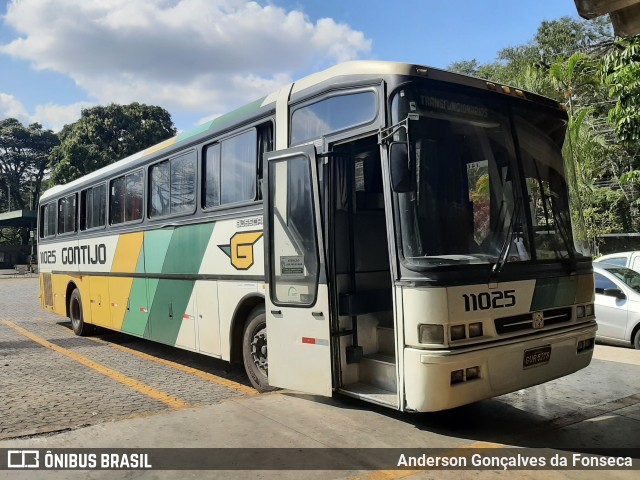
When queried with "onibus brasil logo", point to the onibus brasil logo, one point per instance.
{"points": [[240, 249]]}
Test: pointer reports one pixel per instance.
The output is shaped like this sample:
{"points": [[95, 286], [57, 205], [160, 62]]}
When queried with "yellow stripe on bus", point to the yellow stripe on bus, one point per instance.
{"points": [[125, 261], [147, 390], [178, 366], [128, 250]]}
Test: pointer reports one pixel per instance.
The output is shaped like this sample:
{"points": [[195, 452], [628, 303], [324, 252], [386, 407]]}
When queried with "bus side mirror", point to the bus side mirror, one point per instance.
{"points": [[402, 178]]}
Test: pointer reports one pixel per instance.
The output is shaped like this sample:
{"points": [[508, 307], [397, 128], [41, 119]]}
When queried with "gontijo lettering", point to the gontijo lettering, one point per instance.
{"points": [[84, 255]]}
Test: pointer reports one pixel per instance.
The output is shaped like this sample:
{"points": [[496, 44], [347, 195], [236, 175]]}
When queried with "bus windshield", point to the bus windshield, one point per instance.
{"points": [[489, 182]]}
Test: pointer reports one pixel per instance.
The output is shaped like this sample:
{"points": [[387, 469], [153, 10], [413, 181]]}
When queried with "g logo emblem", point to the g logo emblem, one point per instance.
{"points": [[240, 249]]}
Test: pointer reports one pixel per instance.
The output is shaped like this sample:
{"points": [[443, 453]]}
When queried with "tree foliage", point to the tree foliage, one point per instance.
{"points": [[24, 155], [578, 63], [621, 70], [104, 135], [607, 212], [565, 36]]}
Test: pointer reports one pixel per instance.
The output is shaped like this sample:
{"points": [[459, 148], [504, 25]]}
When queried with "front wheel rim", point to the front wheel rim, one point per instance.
{"points": [[259, 349]]}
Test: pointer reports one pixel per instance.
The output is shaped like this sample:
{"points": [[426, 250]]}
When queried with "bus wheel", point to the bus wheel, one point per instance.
{"points": [[636, 340], [75, 314], [254, 350]]}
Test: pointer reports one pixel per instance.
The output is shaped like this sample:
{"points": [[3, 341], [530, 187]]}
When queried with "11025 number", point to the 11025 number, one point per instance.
{"points": [[486, 300]]}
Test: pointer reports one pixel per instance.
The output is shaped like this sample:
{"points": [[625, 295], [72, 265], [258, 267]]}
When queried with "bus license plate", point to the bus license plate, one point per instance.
{"points": [[536, 356]]}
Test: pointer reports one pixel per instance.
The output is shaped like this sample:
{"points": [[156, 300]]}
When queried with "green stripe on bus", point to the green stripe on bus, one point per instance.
{"points": [[135, 320], [156, 244], [169, 298], [554, 292], [187, 248]]}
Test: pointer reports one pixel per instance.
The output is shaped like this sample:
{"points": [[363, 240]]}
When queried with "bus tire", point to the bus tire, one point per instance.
{"points": [[80, 328], [254, 350]]}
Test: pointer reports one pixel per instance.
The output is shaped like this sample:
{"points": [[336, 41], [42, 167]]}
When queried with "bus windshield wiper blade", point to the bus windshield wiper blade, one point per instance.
{"points": [[506, 246]]}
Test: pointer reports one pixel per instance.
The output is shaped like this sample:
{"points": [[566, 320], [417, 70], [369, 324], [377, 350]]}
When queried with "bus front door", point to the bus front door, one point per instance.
{"points": [[297, 303]]}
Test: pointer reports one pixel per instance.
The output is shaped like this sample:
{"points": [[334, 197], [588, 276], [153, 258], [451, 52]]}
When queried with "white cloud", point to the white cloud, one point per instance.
{"points": [[192, 55], [11, 107], [57, 116], [50, 115]]}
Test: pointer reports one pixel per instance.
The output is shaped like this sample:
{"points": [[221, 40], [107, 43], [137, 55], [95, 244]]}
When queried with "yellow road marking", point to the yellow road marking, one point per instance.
{"points": [[178, 366], [147, 390], [397, 474]]}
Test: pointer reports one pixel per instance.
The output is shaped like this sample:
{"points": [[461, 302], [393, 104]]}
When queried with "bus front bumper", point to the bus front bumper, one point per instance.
{"points": [[430, 385]]}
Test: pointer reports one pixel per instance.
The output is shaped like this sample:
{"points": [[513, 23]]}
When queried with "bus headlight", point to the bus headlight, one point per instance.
{"points": [[475, 329], [457, 376], [458, 332], [473, 373], [580, 311], [430, 333], [588, 309]]}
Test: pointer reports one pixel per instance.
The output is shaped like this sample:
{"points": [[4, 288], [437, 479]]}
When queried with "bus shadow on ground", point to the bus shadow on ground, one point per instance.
{"points": [[531, 418], [203, 363]]}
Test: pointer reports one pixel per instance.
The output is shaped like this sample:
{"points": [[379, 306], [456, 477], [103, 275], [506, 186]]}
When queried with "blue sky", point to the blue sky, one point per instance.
{"points": [[201, 58]]}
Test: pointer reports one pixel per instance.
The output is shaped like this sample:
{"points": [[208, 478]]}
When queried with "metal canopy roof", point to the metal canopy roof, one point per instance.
{"points": [[625, 14], [19, 218]]}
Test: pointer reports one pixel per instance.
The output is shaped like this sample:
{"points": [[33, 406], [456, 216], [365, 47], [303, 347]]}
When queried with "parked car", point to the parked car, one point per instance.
{"points": [[623, 259], [617, 305]]}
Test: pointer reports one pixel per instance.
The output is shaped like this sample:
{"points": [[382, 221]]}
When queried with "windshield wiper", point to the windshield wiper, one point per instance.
{"points": [[506, 246]]}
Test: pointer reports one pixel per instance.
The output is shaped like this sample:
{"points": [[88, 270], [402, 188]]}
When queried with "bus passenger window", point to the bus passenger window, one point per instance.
{"points": [[332, 114], [125, 199], [67, 214], [183, 183], [133, 199], [173, 186], [159, 203], [238, 168], [116, 201], [48, 220], [93, 207], [230, 169], [212, 176]]}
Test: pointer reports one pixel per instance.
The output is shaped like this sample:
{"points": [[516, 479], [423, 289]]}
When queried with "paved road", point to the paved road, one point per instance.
{"points": [[53, 381]]}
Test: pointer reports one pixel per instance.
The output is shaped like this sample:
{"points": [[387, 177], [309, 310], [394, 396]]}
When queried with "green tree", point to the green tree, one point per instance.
{"points": [[561, 38], [466, 67], [607, 212], [104, 135], [621, 70], [24, 155], [553, 40], [561, 62]]}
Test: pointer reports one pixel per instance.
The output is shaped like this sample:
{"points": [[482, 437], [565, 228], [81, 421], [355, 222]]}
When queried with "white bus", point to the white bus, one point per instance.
{"points": [[398, 233]]}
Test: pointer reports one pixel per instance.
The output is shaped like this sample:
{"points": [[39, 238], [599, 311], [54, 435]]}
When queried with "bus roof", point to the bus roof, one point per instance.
{"points": [[353, 68]]}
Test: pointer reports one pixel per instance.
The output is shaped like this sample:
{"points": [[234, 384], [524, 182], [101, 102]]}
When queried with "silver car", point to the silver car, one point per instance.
{"points": [[617, 304]]}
